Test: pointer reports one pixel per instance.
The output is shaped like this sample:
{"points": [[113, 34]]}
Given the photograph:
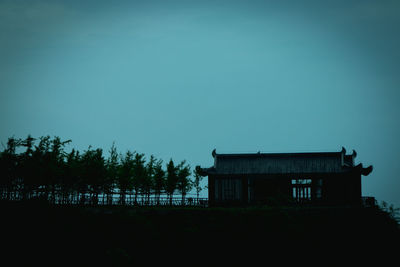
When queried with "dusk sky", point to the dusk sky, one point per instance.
{"points": [[180, 78]]}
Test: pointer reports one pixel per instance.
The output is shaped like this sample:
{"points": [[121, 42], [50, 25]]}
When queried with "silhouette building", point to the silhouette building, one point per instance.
{"points": [[328, 178]]}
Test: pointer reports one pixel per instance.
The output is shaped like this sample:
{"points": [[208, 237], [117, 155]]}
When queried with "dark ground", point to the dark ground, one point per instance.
{"points": [[35, 234]]}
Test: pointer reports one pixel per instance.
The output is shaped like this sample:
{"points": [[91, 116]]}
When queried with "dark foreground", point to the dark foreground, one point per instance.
{"points": [[35, 234]]}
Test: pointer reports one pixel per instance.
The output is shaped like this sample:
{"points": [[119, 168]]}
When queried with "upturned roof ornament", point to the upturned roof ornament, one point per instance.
{"points": [[354, 153], [214, 153]]}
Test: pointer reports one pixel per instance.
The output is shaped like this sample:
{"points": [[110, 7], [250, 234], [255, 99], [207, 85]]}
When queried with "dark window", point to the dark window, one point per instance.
{"points": [[301, 189]]}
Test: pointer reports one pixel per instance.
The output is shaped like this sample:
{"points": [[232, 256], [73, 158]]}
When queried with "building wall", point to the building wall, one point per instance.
{"points": [[225, 190], [343, 189], [228, 189], [271, 190], [338, 189]]}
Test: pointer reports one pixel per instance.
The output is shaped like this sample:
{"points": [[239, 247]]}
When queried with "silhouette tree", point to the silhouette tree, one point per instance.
{"points": [[71, 182], [44, 170], [184, 184], [94, 172], [197, 183], [9, 168], [56, 164], [43, 174], [125, 176], [112, 167], [159, 180], [27, 168], [171, 181], [139, 174], [148, 181]]}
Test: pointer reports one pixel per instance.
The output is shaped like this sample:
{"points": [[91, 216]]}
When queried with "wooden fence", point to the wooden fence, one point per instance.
{"points": [[130, 199]]}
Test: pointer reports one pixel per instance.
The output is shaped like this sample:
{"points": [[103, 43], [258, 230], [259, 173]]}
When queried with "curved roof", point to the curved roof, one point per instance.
{"points": [[284, 163]]}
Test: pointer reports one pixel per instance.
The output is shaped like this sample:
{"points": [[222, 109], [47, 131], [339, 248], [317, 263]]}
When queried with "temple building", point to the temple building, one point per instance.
{"points": [[326, 178]]}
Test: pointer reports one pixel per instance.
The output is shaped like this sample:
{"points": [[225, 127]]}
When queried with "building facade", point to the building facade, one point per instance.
{"points": [[328, 178]]}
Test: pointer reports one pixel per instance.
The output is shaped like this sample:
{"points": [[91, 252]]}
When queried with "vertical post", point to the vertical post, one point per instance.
{"points": [[211, 189], [245, 186], [306, 192]]}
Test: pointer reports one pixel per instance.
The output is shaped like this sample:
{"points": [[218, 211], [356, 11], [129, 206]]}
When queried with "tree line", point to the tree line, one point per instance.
{"points": [[40, 168]]}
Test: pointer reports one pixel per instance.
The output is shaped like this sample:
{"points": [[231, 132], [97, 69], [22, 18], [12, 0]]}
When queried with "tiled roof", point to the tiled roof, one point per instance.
{"points": [[283, 163]]}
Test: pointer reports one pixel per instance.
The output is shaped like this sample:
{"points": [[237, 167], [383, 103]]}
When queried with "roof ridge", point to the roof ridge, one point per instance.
{"points": [[280, 153]]}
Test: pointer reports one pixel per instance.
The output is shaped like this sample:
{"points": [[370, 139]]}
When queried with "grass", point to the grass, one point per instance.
{"points": [[152, 236]]}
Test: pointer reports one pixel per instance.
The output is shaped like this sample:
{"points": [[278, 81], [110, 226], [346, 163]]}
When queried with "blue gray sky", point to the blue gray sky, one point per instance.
{"points": [[180, 78]]}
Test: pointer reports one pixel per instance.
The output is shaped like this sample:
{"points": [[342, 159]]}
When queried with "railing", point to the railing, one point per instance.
{"points": [[144, 201], [115, 199]]}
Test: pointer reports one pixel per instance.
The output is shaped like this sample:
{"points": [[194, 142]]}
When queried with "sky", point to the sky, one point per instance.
{"points": [[177, 79]]}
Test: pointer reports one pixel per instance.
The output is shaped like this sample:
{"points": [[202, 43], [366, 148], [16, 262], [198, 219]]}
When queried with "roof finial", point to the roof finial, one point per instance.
{"points": [[214, 153], [343, 150], [354, 153], [366, 171]]}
